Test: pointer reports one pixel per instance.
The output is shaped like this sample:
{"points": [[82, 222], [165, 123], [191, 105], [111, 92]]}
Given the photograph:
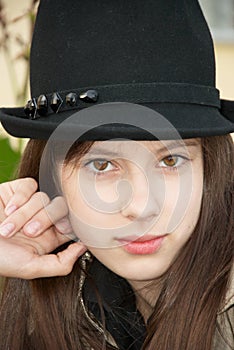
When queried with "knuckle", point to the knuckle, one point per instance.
{"points": [[60, 203], [26, 187], [4, 186], [31, 183], [22, 217], [43, 197], [22, 196], [59, 199]]}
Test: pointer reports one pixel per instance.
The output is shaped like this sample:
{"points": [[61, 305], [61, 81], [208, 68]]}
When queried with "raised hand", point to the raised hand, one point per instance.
{"points": [[31, 227], [21, 207]]}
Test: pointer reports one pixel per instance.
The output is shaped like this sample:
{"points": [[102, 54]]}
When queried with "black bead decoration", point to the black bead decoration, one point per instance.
{"points": [[71, 99], [42, 105], [90, 96], [39, 106], [30, 109], [56, 102]]}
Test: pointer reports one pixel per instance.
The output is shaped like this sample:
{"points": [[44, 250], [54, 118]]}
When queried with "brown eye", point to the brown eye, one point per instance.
{"points": [[100, 165], [170, 161]]}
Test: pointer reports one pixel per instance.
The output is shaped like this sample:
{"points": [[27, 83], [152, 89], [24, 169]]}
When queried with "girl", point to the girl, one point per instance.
{"points": [[152, 213]]}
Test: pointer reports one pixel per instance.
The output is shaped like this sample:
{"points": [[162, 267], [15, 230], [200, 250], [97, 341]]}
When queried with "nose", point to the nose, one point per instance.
{"points": [[143, 204]]}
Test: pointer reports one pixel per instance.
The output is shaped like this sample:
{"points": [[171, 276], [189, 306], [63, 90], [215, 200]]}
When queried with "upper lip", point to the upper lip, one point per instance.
{"points": [[143, 238]]}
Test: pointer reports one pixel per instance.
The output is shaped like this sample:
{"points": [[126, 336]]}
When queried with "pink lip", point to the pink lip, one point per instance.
{"points": [[147, 244]]}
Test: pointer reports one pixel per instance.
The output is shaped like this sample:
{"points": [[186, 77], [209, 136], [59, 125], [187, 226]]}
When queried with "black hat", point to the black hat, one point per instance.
{"points": [[158, 54]]}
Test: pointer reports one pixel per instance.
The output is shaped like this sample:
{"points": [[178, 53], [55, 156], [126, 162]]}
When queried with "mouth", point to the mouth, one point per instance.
{"points": [[147, 244]]}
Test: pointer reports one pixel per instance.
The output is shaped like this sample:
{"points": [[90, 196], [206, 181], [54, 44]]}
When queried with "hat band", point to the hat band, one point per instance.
{"points": [[55, 102]]}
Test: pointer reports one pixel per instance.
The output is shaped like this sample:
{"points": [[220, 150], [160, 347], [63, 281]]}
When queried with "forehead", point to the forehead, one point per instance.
{"points": [[118, 147]]}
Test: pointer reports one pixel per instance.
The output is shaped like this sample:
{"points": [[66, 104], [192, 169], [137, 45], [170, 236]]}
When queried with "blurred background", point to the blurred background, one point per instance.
{"points": [[16, 26]]}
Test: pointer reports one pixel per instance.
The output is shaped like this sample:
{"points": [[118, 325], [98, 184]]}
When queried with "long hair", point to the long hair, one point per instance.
{"points": [[197, 281], [45, 313]]}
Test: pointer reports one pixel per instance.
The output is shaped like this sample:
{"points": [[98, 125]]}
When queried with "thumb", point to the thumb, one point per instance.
{"points": [[52, 265]]}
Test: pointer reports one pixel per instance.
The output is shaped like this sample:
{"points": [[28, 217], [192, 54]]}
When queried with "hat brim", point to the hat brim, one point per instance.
{"points": [[189, 120]]}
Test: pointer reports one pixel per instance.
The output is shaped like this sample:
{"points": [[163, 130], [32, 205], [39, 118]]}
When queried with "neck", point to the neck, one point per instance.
{"points": [[147, 293]]}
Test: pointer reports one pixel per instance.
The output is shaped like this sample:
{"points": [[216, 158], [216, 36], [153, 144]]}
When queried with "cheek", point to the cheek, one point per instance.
{"points": [[193, 210], [182, 202], [191, 205], [105, 193], [90, 220], [93, 193], [89, 210]]}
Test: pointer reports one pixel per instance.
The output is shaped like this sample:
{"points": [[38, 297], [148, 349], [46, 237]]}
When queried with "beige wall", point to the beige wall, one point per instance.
{"points": [[225, 69], [14, 9], [11, 68]]}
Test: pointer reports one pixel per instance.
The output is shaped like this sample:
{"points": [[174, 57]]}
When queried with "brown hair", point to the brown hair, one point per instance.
{"points": [[194, 287]]}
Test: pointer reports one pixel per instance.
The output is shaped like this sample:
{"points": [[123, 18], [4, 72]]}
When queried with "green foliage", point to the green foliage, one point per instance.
{"points": [[9, 160]]}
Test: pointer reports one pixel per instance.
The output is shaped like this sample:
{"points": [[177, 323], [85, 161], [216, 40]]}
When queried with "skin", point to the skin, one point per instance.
{"points": [[140, 192], [159, 196], [26, 255]]}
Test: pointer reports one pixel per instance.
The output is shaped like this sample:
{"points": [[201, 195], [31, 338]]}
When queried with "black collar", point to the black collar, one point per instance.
{"points": [[123, 320]]}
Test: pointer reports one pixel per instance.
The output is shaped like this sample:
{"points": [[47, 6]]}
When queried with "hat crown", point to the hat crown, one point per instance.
{"points": [[91, 43]]}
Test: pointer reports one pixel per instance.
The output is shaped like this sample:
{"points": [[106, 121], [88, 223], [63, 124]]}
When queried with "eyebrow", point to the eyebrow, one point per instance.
{"points": [[178, 144], [169, 146], [98, 151]]}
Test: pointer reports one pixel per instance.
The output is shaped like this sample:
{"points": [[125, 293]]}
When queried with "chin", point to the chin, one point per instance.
{"points": [[140, 273]]}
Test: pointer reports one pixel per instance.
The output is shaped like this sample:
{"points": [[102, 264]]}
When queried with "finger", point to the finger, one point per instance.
{"points": [[43, 244], [20, 217], [25, 186], [2, 213], [6, 193], [51, 265], [64, 226], [53, 213], [21, 191]]}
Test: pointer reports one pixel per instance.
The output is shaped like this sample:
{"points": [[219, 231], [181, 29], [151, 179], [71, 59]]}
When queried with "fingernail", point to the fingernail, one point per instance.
{"points": [[33, 227], [7, 229], [10, 209]]}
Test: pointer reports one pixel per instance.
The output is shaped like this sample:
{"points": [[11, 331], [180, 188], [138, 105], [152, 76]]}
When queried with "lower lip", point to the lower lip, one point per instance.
{"points": [[140, 248]]}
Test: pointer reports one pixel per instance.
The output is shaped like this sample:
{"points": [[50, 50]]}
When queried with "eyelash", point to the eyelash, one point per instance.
{"points": [[90, 163], [98, 172], [182, 160]]}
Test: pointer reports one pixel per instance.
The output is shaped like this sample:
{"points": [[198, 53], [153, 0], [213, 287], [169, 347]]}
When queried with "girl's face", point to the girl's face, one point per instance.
{"points": [[134, 204]]}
